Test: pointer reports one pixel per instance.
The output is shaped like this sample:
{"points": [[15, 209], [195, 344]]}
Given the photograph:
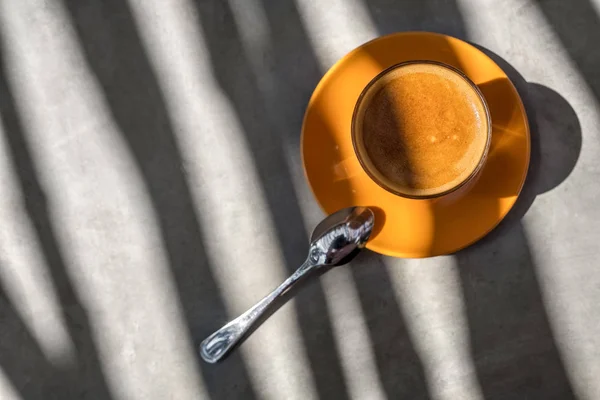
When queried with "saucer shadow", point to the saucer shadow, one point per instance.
{"points": [[556, 140], [555, 145]]}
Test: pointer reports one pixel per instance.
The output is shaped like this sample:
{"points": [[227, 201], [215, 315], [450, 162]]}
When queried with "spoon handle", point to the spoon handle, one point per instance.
{"points": [[217, 345]]}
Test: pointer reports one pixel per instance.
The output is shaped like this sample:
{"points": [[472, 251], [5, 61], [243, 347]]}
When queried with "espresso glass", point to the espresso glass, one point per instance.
{"points": [[365, 160]]}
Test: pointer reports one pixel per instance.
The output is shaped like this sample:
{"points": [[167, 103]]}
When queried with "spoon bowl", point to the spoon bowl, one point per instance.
{"points": [[337, 239]]}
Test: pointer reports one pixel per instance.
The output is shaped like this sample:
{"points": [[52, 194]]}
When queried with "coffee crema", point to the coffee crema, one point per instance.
{"points": [[421, 129]]}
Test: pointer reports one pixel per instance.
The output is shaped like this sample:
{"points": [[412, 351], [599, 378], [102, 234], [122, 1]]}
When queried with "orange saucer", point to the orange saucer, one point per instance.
{"points": [[405, 227]]}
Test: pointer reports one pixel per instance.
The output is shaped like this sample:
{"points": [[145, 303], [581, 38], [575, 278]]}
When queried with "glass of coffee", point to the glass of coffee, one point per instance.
{"points": [[421, 129]]}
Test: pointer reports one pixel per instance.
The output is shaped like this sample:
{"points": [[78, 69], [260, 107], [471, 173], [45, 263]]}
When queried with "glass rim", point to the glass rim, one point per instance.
{"points": [[484, 154]]}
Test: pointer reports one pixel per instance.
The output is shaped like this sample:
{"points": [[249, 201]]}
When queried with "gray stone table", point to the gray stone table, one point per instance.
{"points": [[151, 189]]}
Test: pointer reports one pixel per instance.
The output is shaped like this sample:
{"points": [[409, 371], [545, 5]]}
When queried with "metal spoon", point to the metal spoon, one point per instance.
{"points": [[335, 241]]}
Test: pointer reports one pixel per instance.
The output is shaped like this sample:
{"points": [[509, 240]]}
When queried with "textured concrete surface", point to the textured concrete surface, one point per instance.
{"points": [[151, 189]]}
